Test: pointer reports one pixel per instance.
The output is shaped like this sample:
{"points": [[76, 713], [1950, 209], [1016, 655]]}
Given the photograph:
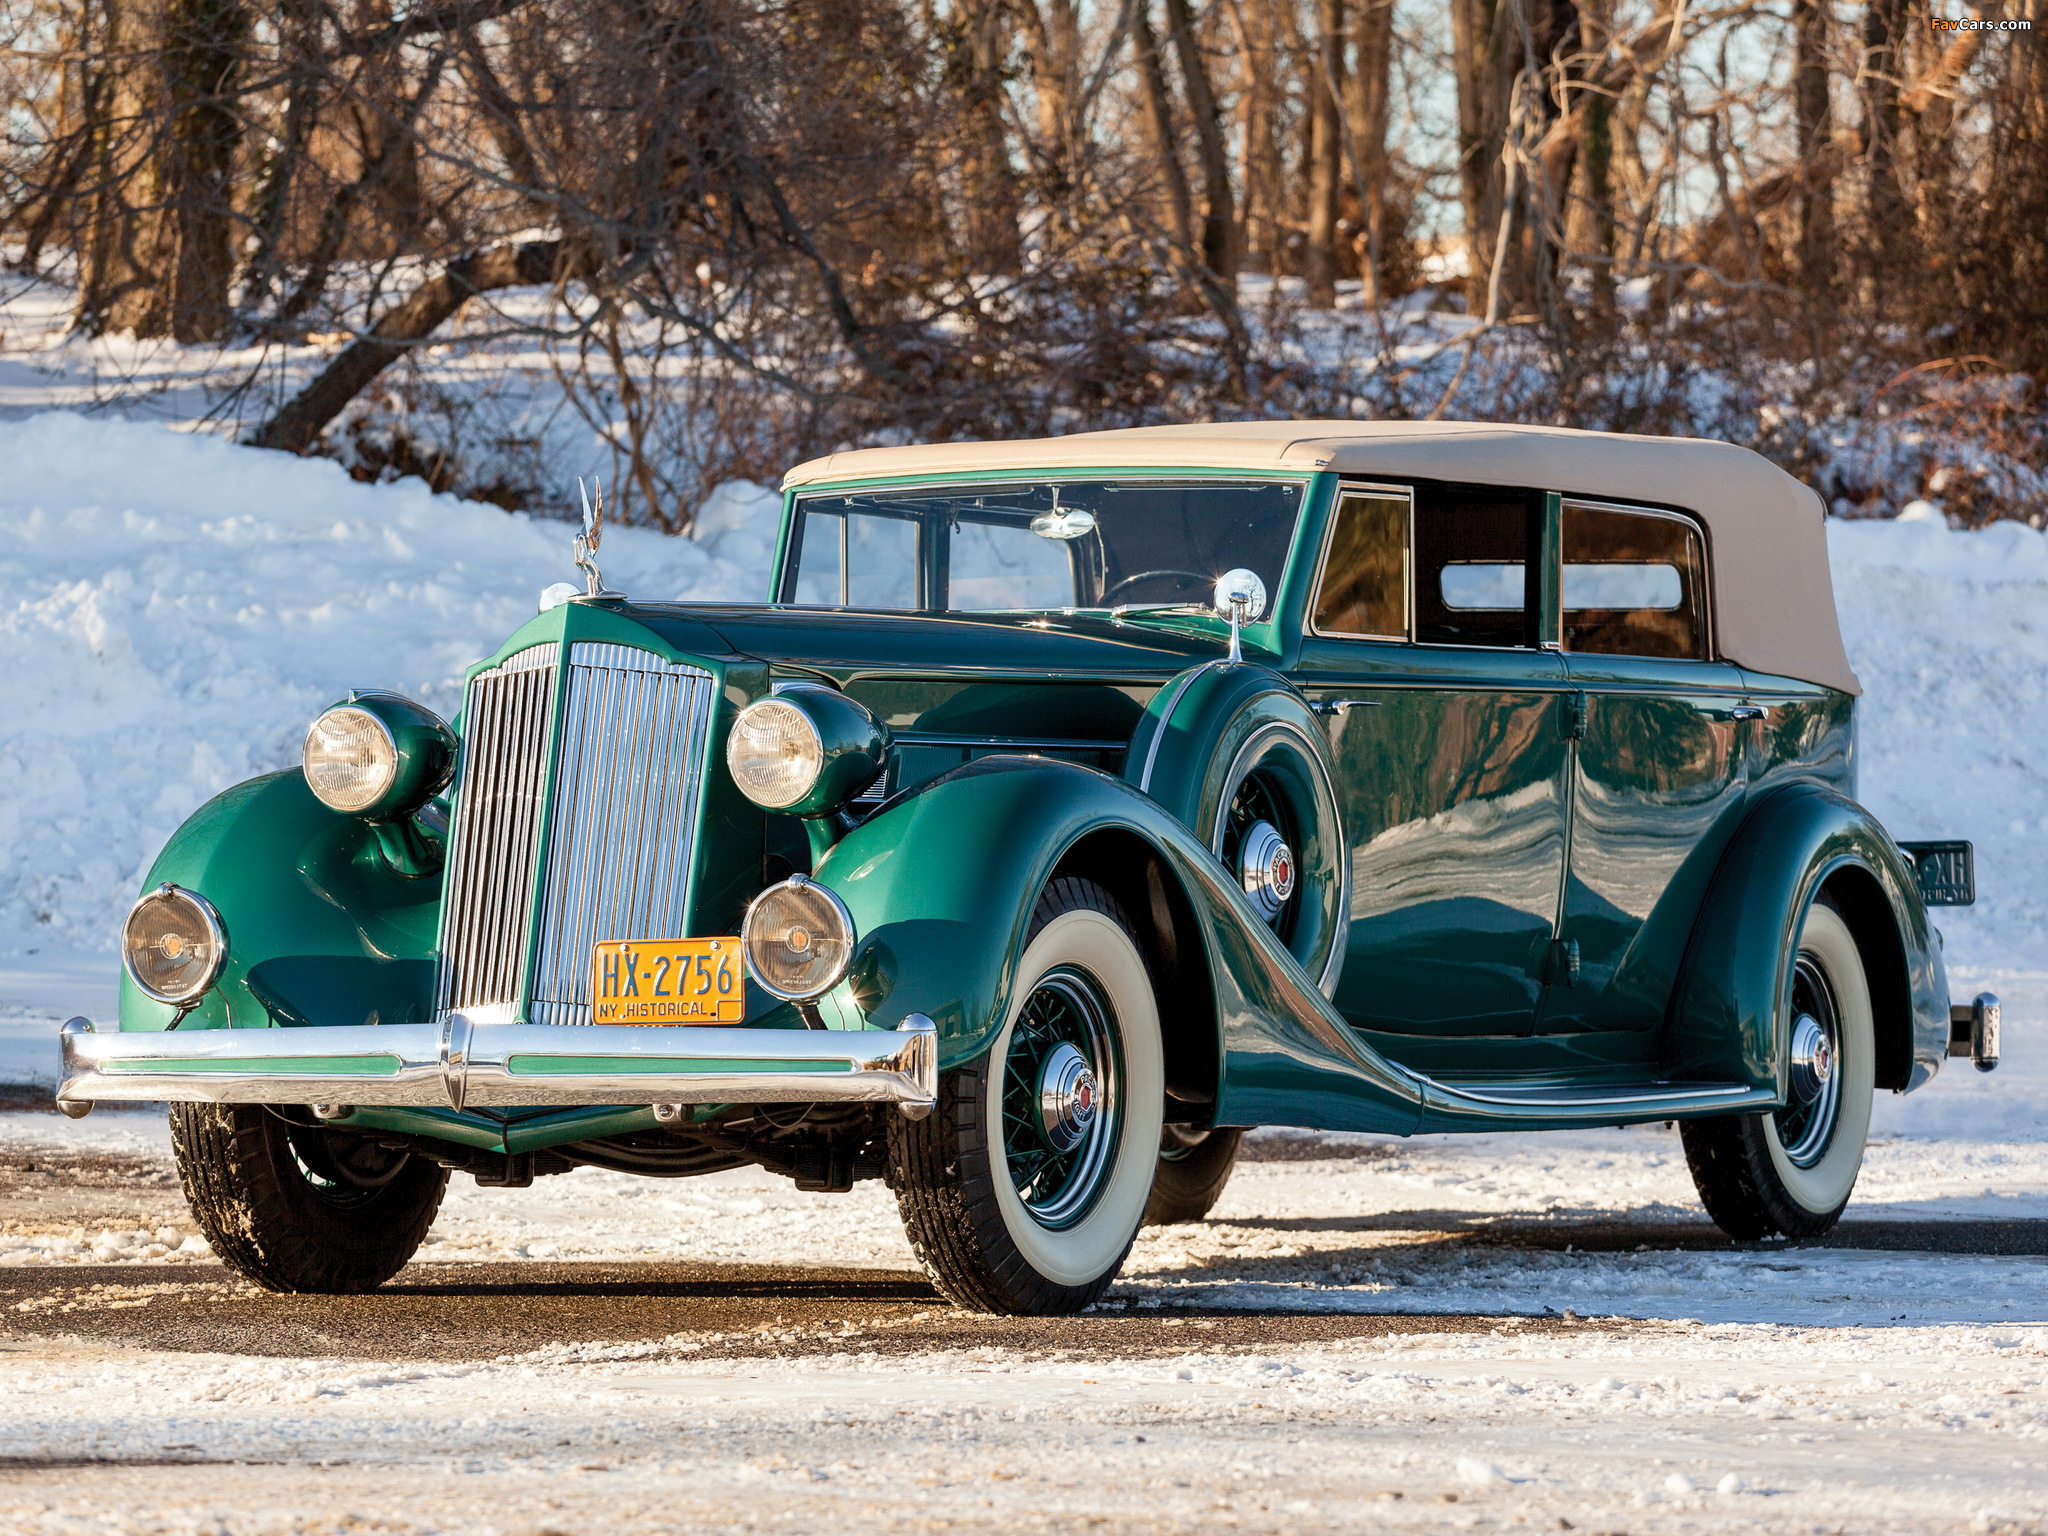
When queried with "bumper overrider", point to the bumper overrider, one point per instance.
{"points": [[463, 1063]]}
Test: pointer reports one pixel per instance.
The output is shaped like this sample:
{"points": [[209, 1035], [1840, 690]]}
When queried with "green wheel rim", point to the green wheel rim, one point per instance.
{"points": [[1062, 1102]]}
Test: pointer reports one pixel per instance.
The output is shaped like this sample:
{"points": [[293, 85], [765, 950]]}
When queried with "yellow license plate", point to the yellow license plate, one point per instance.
{"points": [[667, 981]]}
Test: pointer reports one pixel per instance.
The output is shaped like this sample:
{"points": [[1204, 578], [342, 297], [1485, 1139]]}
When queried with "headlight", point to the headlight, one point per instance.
{"points": [[798, 939], [378, 756], [173, 944], [807, 751]]}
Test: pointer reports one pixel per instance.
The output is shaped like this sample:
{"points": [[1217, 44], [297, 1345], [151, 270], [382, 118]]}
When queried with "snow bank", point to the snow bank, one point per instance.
{"points": [[181, 607]]}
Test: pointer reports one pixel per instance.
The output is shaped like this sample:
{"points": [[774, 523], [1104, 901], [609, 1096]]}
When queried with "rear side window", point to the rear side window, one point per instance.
{"points": [[1634, 583], [1472, 566], [1364, 589]]}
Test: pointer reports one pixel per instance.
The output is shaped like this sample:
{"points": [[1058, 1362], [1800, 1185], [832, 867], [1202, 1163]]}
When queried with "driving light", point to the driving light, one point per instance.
{"points": [[378, 756], [798, 939], [807, 751], [173, 944]]}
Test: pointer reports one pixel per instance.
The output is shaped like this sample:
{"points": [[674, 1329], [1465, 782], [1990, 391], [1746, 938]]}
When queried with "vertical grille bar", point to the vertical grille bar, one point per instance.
{"points": [[489, 887], [624, 828]]}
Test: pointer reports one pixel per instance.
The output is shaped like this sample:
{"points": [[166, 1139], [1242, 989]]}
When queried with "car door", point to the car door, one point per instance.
{"points": [[1656, 762], [1444, 720]]}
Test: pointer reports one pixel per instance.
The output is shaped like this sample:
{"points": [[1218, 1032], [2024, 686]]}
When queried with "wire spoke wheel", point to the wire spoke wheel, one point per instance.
{"points": [[1061, 1106], [1807, 1124]]}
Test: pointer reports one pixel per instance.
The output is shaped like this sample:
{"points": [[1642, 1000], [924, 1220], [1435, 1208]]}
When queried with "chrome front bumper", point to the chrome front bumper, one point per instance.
{"points": [[461, 1063]]}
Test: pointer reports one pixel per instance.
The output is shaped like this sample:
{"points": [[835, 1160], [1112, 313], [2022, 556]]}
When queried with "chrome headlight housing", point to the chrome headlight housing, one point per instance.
{"points": [[798, 939], [377, 756], [173, 944], [805, 752]]}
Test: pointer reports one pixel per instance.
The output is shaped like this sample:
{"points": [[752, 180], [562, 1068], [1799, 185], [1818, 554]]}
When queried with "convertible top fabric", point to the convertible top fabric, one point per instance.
{"points": [[1774, 604]]}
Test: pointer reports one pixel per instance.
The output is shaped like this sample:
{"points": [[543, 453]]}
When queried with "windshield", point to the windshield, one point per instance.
{"points": [[1070, 544]]}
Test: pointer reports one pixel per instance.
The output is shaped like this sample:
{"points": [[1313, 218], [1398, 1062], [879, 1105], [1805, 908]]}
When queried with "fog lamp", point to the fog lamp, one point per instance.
{"points": [[173, 944], [798, 939]]}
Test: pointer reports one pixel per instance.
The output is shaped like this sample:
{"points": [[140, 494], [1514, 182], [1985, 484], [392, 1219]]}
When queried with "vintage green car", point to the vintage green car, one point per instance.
{"points": [[1071, 806]]}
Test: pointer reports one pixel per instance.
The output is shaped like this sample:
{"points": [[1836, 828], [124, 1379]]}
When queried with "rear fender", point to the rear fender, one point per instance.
{"points": [[320, 929], [941, 885], [1798, 842]]}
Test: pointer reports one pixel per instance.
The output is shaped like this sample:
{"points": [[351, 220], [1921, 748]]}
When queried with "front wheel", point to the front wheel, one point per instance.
{"points": [[1023, 1189], [1194, 1165], [1790, 1172], [302, 1208]]}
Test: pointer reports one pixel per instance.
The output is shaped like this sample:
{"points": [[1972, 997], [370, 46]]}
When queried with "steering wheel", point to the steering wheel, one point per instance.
{"points": [[1132, 581]]}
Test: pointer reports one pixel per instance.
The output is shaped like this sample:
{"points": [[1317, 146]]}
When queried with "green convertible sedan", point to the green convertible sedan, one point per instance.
{"points": [[1067, 808]]}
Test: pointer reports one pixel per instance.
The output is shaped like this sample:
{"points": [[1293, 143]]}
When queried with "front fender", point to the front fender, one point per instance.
{"points": [[941, 885], [1725, 1022], [321, 930]]}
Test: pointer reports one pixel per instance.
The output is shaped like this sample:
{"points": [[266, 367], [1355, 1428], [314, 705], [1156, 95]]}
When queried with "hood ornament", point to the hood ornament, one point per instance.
{"points": [[588, 540]]}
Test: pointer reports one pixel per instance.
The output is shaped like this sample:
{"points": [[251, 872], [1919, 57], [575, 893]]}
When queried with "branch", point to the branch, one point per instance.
{"points": [[299, 422]]}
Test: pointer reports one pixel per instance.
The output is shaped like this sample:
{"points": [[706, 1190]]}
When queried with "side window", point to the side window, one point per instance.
{"points": [[1472, 570], [1634, 583], [1364, 589]]}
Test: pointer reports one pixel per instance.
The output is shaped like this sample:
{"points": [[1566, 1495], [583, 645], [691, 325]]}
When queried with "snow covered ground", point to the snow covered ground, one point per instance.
{"points": [[1796, 1390]]}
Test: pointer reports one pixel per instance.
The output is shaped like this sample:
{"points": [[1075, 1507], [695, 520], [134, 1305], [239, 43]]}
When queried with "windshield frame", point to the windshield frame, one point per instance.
{"points": [[785, 574]]}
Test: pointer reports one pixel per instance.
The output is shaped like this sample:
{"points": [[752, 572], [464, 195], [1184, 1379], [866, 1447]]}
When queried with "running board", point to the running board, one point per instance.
{"points": [[1510, 1101]]}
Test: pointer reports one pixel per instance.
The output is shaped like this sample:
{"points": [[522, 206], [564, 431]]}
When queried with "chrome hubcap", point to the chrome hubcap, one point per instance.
{"points": [[1813, 1059], [1060, 1109], [1806, 1125], [1266, 869], [1067, 1094]]}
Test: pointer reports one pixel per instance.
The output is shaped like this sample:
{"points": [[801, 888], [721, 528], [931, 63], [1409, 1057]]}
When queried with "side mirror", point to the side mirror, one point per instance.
{"points": [[1241, 598], [1240, 595]]}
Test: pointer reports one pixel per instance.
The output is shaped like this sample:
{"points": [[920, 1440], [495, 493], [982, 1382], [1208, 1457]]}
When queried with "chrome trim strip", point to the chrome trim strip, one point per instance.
{"points": [[1180, 686], [462, 1063], [1563, 1097], [1011, 743]]}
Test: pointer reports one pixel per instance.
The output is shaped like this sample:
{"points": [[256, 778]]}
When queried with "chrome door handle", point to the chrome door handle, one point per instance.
{"points": [[1746, 712], [1336, 707]]}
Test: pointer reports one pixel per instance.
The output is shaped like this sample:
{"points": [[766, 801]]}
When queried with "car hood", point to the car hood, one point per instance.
{"points": [[843, 644]]}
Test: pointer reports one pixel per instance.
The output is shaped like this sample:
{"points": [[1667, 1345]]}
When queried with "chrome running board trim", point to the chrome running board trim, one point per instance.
{"points": [[460, 1063], [1561, 1096]]}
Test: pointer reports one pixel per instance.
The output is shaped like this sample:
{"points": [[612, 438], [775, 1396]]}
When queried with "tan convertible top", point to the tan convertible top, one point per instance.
{"points": [[1774, 604]]}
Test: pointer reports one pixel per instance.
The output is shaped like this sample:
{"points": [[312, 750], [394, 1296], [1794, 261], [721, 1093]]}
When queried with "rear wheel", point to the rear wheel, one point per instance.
{"points": [[1790, 1172], [300, 1207], [1194, 1165], [1022, 1190]]}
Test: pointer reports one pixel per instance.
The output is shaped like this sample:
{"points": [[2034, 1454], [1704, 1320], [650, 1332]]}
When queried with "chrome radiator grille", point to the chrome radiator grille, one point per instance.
{"points": [[625, 820], [619, 840], [487, 898]]}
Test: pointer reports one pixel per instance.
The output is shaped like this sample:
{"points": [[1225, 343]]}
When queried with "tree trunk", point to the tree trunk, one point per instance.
{"points": [[1325, 152], [298, 424], [1472, 55], [1219, 211], [1366, 105], [1816, 146], [992, 203], [1159, 119], [1260, 170], [159, 255], [1890, 243]]}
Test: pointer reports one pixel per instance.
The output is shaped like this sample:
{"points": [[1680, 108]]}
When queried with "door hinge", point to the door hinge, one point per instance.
{"points": [[1561, 965], [1574, 717]]}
